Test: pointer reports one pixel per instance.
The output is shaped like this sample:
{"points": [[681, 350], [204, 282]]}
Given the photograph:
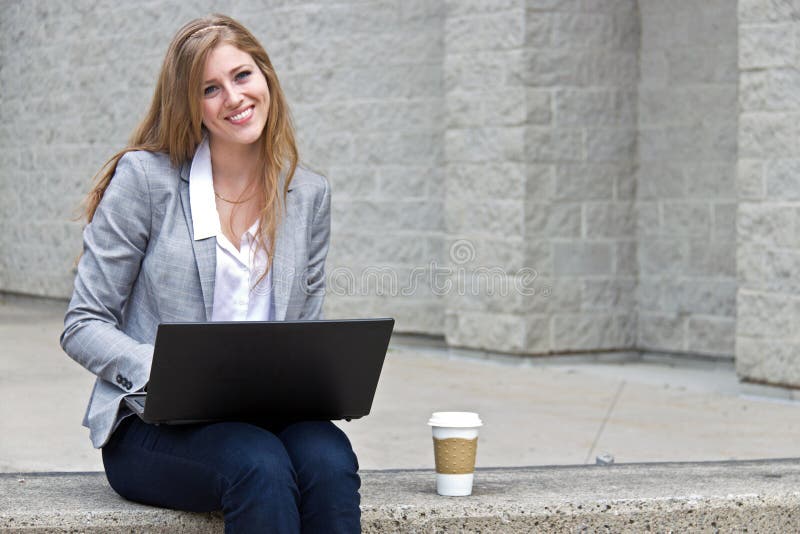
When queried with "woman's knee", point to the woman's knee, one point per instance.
{"points": [[319, 447], [252, 453]]}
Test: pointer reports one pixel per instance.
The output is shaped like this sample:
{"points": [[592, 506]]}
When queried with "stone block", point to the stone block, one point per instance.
{"points": [[648, 218], [612, 294], [563, 294], [768, 361], [610, 219], [692, 64], [326, 149], [550, 145], [750, 182], [582, 258], [660, 28], [502, 107], [679, 104], [538, 254], [662, 256], [483, 70], [485, 144], [539, 29], [760, 11], [704, 296], [408, 181], [619, 68], [493, 217], [538, 104], [769, 224], [584, 30], [489, 31], [660, 180], [662, 332], [773, 89], [712, 258], [766, 315], [352, 249], [496, 291], [648, 294], [352, 181], [779, 272], [750, 272], [625, 260], [653, 67], [585, 332], [711, 179], [417, 316], [378, 116], [397, 148], [582, 182], [711, 141], [491, 180], [489, 331], [551, 67], [537, 334], [782, 179], [470, 251], [595, 107], [539, 182], [686, 218], [625, 186], [769, 135], [552, 220], [724, 222], [712, 336], [710, 23], [388, 215]]}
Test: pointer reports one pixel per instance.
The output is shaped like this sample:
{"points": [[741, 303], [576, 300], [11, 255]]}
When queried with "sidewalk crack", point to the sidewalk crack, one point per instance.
{"points": [[605, 420]]}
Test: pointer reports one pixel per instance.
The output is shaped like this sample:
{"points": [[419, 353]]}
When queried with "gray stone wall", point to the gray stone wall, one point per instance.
{"points": [[686, 194], [365, 86], [768, 253], [526, 176]]}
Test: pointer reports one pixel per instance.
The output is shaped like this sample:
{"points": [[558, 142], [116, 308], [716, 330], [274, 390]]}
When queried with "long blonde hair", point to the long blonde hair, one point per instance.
{"points": [[173, 125]]}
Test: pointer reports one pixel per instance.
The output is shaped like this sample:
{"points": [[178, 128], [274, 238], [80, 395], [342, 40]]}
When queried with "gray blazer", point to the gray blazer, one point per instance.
{"points": [[141, 266]]}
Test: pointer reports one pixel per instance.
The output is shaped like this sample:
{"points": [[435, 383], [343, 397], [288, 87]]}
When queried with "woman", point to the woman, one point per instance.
{"points": [[207, 216]]}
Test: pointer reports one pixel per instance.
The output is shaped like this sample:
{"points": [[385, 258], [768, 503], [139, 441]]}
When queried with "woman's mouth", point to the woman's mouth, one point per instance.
{"points": [[242, 116]]}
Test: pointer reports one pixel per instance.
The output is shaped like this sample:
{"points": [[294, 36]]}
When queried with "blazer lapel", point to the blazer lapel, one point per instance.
{"points": [[283, 263], [205, 250]]}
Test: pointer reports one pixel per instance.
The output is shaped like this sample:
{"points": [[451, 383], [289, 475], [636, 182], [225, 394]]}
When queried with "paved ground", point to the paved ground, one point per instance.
{"points": [[555, 411]]}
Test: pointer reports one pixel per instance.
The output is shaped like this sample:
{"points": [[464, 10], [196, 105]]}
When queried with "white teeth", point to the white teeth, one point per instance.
{"points": [[242, 115]]}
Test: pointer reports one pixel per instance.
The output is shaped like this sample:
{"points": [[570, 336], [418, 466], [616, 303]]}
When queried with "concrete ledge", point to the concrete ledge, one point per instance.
{"points": [[752, 496]]}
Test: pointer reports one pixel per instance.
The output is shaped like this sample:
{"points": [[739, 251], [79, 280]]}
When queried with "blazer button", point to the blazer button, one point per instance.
{"points": [[119, 379]]}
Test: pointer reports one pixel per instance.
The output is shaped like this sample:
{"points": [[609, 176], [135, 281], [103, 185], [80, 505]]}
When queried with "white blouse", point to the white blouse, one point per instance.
{"points": [[235, 298]]}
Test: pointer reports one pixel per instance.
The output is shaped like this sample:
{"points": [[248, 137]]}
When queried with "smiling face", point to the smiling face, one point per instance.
{"points": [[235, 97]]}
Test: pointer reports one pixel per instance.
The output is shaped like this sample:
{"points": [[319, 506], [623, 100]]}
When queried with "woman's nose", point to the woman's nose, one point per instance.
{"points": [[232, 97]]}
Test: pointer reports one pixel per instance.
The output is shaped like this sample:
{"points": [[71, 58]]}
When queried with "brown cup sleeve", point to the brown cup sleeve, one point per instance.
{"points": [[455, 456]]}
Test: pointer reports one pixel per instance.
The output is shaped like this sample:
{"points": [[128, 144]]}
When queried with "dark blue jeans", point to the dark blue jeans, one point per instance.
{"points": [[279, 477]]}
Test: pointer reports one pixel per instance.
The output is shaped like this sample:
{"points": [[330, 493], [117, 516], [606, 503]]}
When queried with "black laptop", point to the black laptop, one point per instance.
{"points": [[281, 370]]}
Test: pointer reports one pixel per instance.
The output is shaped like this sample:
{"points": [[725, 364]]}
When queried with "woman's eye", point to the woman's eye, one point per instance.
{"points": [[242, 75], [210, 90]]}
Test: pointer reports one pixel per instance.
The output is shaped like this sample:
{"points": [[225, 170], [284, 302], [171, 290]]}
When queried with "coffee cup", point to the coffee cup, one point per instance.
{"points": [[455, 443]]}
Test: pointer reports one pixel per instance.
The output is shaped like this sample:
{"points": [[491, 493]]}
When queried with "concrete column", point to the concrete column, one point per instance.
{"points": [[686, 199], [539, 152], [484, 146], [768, 251]]}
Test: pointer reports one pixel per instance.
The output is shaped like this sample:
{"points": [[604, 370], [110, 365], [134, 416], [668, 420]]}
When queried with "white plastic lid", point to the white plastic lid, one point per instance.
{"points": [[455, 419]]}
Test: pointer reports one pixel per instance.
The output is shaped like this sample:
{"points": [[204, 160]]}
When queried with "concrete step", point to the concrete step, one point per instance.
{"points": [[751, 496]]}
